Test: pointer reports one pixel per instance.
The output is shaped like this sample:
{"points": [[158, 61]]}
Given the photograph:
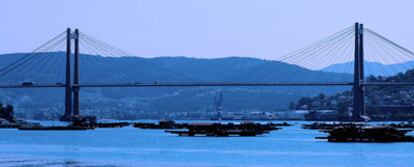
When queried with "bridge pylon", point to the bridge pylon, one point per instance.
{"points": [[71, 90], [68, 84], [358, 88]]}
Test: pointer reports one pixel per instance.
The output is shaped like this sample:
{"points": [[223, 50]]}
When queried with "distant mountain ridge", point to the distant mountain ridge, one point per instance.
{"points": [[169, 69], [371, 68]]}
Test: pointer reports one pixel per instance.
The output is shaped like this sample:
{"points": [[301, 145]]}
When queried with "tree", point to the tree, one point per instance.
{"points": [[321, 96]]}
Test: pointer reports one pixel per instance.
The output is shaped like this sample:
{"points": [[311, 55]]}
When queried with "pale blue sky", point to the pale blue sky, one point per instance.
{"points": [[201, 28]]}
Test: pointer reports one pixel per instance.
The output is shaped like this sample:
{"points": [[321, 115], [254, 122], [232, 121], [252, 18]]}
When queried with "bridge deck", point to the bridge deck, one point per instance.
{"points": [[202, 84]]}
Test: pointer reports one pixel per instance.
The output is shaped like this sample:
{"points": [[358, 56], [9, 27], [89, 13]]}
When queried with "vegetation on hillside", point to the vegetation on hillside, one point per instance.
{"points": [[374, 95]]}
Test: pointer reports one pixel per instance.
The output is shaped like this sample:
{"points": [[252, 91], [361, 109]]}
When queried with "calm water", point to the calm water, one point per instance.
{"points": [[291, 146]]}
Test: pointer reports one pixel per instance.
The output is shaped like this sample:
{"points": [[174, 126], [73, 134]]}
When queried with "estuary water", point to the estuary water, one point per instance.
{"points": [[290, 146]]}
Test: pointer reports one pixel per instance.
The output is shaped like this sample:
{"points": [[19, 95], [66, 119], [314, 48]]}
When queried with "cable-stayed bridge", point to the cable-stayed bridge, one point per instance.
{"points": [[75, 60]]}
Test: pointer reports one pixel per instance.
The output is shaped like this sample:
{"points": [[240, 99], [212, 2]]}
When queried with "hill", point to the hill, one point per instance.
{"points": [[371, 68], [383, 103]]}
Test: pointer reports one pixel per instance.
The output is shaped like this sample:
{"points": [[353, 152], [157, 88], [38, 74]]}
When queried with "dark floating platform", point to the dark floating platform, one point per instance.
{"points": [[75, 127], [16, 124], [169, 124], [163, 124], [220, 129], [408, 125], [279, 124], [78, 123], [53, 128], [331, 125], [112, 124], [9, 126], [357, 133]]}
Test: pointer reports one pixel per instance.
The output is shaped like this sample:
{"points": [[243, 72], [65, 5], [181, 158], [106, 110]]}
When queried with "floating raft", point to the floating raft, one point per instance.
{"points": [[112, 124], [408, 125], [75, 127], [331, 125], [53, 128], [16, 124], [169, 124], [163, 124], [219, 129], [279, 124], [367, 134], [9, 126], [81, 123]]}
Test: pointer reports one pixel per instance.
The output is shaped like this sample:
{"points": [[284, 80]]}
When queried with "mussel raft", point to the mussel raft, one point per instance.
{"points": [[367, 134], [222, 129], [169, 124]]}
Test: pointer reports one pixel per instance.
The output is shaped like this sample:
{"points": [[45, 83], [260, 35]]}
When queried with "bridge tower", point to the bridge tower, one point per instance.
{"points": [[68, 84], [358, 89], [76, 76], [71, 90]]}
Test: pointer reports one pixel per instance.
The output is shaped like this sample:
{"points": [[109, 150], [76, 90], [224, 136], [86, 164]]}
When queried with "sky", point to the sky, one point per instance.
{"points": [[264, 29]]}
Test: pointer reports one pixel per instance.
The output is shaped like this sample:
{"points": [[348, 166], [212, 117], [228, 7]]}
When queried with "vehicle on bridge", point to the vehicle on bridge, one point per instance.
{"points": [[60, 84], [28, 83]]}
